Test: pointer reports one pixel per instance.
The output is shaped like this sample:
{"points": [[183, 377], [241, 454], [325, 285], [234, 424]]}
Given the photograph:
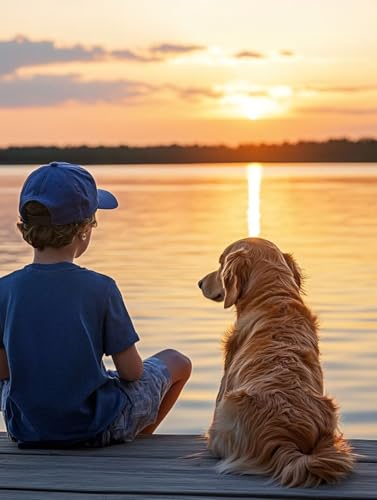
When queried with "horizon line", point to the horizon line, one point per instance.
{"points": [[282, 143]]}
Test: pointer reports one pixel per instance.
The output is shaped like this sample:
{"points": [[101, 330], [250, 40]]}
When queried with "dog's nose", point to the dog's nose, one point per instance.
{"points": [[200, 283]]}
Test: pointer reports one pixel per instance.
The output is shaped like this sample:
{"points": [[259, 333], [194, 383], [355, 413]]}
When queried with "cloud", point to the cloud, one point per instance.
{"points": [[337, 110], [21, 52], [48, 90], [194, 93], [133, 57], [249, 54], [157, 53], [171, 48], [343, 89], [253, 54], [258, 93], [286, 53]]}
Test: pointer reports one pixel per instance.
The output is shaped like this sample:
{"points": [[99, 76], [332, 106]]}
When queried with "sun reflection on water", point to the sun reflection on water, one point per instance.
{"points": [[254, 181]]}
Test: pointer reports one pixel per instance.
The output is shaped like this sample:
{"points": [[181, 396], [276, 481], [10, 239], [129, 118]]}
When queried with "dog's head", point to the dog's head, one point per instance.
{"points": [[240, 262]]}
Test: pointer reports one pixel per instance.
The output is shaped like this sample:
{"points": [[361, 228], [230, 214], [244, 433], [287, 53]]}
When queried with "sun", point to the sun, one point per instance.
{"points": [[241, 99], [258, 107]]}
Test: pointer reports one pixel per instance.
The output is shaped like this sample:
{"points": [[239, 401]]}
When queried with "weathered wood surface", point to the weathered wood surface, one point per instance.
{"points": [[156, 467]]}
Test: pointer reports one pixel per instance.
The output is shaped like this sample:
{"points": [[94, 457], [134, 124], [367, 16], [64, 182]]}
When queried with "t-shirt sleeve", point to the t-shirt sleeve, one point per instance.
{"points": [[119, 332]]}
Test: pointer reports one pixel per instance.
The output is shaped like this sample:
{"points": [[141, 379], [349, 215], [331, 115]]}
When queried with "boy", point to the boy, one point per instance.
{"points": [[57, 320]]}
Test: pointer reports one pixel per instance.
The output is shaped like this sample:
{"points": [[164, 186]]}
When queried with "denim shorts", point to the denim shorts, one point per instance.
{"points": [[4, 391], [144, 400], [145, 396]]}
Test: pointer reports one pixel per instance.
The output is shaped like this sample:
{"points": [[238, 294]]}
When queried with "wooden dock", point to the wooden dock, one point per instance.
{"points": [[156, 467]]}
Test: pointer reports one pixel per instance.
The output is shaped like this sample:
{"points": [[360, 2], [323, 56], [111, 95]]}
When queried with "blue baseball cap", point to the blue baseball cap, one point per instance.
{"points": [[68, 191]]}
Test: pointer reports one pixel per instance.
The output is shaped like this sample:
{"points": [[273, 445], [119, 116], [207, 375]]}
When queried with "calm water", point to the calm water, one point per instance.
{"points": [[172, 224]]}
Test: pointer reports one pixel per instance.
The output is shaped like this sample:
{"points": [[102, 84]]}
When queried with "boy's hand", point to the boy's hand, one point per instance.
{"points": [[129, 364]]}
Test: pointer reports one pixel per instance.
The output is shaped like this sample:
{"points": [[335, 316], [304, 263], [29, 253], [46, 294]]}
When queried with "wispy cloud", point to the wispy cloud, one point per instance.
{"points": [[157, 53], [21, 52], [336, 110], [47, 90], [128, 55], [172, 48], [43, 90], [194, 93], [249, 54], [339, 89], [286, 53], [258, 93], [254, 54]]}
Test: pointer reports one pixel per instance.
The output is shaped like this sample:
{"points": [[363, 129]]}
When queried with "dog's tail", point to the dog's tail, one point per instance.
{"points": [[278, 451], [329, 462]]}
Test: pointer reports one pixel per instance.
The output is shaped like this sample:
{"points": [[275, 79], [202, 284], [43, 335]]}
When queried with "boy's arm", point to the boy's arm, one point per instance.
{"points": [[4, 369], [129, 364]]}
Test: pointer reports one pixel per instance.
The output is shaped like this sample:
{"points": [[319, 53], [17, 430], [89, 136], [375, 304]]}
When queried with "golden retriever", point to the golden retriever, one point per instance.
{"points": [[271, 413]]}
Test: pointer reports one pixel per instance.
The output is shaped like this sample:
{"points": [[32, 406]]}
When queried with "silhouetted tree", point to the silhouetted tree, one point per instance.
{"points": [[333, 150]]}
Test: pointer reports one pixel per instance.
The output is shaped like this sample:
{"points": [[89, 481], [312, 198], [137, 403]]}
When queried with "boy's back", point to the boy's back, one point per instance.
{"points": [[60, 320]]}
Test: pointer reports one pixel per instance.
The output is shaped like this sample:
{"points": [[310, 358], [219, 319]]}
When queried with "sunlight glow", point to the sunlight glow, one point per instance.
{"points": [[252, 107], [242, 99], [254, 181], [280, 91], [257, 107]]}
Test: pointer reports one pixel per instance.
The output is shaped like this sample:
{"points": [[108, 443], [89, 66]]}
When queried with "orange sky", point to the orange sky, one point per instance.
{"points": [[214, 71]]}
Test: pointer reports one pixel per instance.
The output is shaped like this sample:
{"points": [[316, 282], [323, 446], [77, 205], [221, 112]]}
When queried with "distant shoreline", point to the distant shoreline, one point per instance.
{"points": [[331, 151]]}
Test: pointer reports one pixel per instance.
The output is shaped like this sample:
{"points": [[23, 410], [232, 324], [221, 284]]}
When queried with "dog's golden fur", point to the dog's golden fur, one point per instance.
{"points": [[271, 413]]}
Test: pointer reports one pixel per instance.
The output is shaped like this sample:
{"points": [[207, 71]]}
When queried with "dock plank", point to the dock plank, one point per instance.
{"points": [[159, 466], [49, 495], [167, 477], [165, 446]]}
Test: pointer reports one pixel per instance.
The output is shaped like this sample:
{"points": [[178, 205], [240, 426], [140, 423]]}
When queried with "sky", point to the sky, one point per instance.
{"points": [[148, 72]]}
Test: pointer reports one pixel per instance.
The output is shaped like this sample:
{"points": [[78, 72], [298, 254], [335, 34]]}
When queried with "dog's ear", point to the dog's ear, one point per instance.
{"points": [[294, 267], [233, 275]]}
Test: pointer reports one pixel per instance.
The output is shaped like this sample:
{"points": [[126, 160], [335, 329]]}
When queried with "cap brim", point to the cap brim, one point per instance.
{"points": [[106, 199]]}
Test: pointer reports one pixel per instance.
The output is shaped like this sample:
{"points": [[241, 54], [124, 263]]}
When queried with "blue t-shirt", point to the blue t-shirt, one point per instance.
{"points": [[56, 322]]}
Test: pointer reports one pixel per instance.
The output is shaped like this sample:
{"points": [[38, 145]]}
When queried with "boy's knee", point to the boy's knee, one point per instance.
{"points": [[179, 364], [186, 365]]}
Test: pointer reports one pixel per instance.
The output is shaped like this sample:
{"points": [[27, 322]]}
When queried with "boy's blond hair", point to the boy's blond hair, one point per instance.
{"points": [[56, 236]]}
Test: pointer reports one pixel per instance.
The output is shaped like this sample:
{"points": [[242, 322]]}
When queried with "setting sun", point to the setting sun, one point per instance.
{"points": [[258, 107], [251, 107]]}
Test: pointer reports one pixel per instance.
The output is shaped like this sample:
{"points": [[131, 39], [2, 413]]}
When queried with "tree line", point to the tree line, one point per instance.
{"points": [[333, 150]]}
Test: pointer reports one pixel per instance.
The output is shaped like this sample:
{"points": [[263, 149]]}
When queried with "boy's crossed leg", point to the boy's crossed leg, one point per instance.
{"points": [[179, 367]]}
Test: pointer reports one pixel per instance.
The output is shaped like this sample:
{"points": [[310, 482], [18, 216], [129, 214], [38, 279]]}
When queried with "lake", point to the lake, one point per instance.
{"points": [[171, 226]]}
